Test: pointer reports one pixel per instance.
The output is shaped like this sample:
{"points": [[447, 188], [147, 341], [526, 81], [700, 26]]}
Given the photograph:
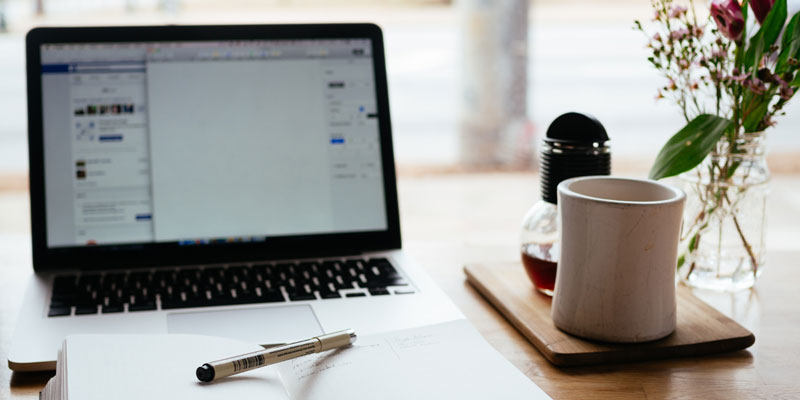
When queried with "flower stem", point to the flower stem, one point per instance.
{"points": [[744, 241]]}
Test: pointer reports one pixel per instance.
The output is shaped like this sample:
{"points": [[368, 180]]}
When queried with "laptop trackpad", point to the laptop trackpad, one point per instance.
{"points": [[267, 325]]}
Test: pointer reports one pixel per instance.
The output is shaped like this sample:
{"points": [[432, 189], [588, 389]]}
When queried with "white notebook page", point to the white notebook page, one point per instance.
{"points": [[160, 367], [449, 360]]}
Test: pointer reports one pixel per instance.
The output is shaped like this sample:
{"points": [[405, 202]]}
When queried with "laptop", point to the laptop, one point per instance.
{"points": [[234, 181]]}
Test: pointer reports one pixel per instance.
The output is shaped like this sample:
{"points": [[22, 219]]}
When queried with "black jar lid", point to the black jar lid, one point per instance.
{"points": [[576, 145], [576, 128]]}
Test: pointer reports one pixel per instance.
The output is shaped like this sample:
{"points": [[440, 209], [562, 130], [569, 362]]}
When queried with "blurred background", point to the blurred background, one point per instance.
{"points": [[473, 83]]}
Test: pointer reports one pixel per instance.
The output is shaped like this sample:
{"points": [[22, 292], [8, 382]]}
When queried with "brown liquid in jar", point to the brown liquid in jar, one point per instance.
{"points": [[540, 266]]}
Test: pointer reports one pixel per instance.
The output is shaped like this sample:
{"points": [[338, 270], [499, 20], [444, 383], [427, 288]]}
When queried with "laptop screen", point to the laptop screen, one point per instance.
{"points": [[210, 142]]}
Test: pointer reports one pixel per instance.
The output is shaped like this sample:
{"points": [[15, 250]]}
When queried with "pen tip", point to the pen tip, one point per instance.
{"points": [[205, 373], [353, 336]]}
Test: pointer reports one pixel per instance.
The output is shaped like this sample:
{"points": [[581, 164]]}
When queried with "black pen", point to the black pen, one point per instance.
{"points": [[219, 369]]}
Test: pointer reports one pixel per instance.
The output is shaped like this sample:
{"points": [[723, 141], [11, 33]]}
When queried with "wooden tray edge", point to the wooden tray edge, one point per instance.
{"points": [[509, 316], [586, 359]]}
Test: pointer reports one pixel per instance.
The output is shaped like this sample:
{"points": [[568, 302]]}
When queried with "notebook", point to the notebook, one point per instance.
{"points": [[448, 360]]}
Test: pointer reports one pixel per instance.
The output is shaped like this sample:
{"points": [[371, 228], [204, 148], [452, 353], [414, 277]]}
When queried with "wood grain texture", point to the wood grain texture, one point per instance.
{"points": [[701, 330]]}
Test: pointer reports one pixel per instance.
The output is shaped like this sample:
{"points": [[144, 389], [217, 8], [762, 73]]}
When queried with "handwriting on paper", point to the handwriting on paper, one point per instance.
{"points": [[414, 341], [304, 368], [428, 362]]}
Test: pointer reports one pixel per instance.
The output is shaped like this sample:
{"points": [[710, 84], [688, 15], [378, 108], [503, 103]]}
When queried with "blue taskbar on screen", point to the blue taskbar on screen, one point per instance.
{"points": [[222, 240]]}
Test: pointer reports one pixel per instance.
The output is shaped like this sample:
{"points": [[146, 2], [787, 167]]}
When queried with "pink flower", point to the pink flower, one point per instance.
{"points": [[769, 58], [756, 86], [728, 16], [761, 8], [765, 75], [739, 78], [786, 92], [677, 11], [679, 34]]}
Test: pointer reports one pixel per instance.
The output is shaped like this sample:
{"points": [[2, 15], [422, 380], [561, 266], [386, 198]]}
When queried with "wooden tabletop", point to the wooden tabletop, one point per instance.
{"points": [[450, 220]]}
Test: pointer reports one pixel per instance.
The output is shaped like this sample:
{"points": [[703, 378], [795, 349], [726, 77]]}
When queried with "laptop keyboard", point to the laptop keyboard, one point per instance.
{"points": [[133, 291]]}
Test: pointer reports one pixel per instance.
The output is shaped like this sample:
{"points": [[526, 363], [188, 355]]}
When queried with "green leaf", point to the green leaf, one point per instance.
{"points": [[689, 146], [693, 242], [773, 24], [754, 52], [756, 115], [767, 35], [740, 47], [790, 44], [796, 81]]}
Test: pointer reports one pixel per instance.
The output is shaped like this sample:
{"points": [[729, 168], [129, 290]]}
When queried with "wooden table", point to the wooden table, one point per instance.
{"points": [[451, 220]]}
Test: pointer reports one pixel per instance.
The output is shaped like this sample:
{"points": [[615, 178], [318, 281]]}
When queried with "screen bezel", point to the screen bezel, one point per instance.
{"points": [[158, 254]]}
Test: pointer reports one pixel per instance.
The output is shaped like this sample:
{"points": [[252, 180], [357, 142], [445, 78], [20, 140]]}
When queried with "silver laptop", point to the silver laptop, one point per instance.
{"points": [[234, 181]]}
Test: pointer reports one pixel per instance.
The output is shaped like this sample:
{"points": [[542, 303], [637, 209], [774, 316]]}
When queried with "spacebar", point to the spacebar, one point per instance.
{"points": [[274, 298]]}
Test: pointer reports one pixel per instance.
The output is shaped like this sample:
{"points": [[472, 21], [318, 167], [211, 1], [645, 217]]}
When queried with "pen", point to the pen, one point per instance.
{"points": [[219, 369]]}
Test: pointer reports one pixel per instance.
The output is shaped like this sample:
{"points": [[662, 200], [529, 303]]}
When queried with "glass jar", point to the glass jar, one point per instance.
{"points": [[540, 245], [723, 235], [575, 145]]}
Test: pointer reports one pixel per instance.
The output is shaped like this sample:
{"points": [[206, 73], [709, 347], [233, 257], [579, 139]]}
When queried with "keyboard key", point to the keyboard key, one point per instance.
{"points": [[266, 271], [330, 295], [273, 296], [393, 279], [376, 283], [85, 309], [333, 266], [115, 308], [302, 295], [308, 268], [87, 299], [170, 303], [357, 294], [351, 282], [113, 282], [146, 306], [67, 297], [378, 291], [58, 311], [59, 303]]}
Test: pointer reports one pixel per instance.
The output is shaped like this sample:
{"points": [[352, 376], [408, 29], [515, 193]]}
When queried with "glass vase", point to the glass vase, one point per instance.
{"points": [[722, 240]]}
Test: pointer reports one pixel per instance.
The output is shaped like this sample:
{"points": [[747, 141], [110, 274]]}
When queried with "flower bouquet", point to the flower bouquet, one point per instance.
{"points": [[729, 84]]}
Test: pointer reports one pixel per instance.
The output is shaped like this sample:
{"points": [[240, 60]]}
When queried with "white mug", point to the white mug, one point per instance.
{"points": [[619, 244]]}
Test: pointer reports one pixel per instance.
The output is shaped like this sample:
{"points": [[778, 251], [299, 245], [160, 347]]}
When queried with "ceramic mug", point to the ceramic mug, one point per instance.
{"points": [[619, 247]]}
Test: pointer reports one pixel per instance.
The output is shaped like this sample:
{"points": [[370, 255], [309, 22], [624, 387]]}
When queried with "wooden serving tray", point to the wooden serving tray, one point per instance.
{"points": [[701, 329]]}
